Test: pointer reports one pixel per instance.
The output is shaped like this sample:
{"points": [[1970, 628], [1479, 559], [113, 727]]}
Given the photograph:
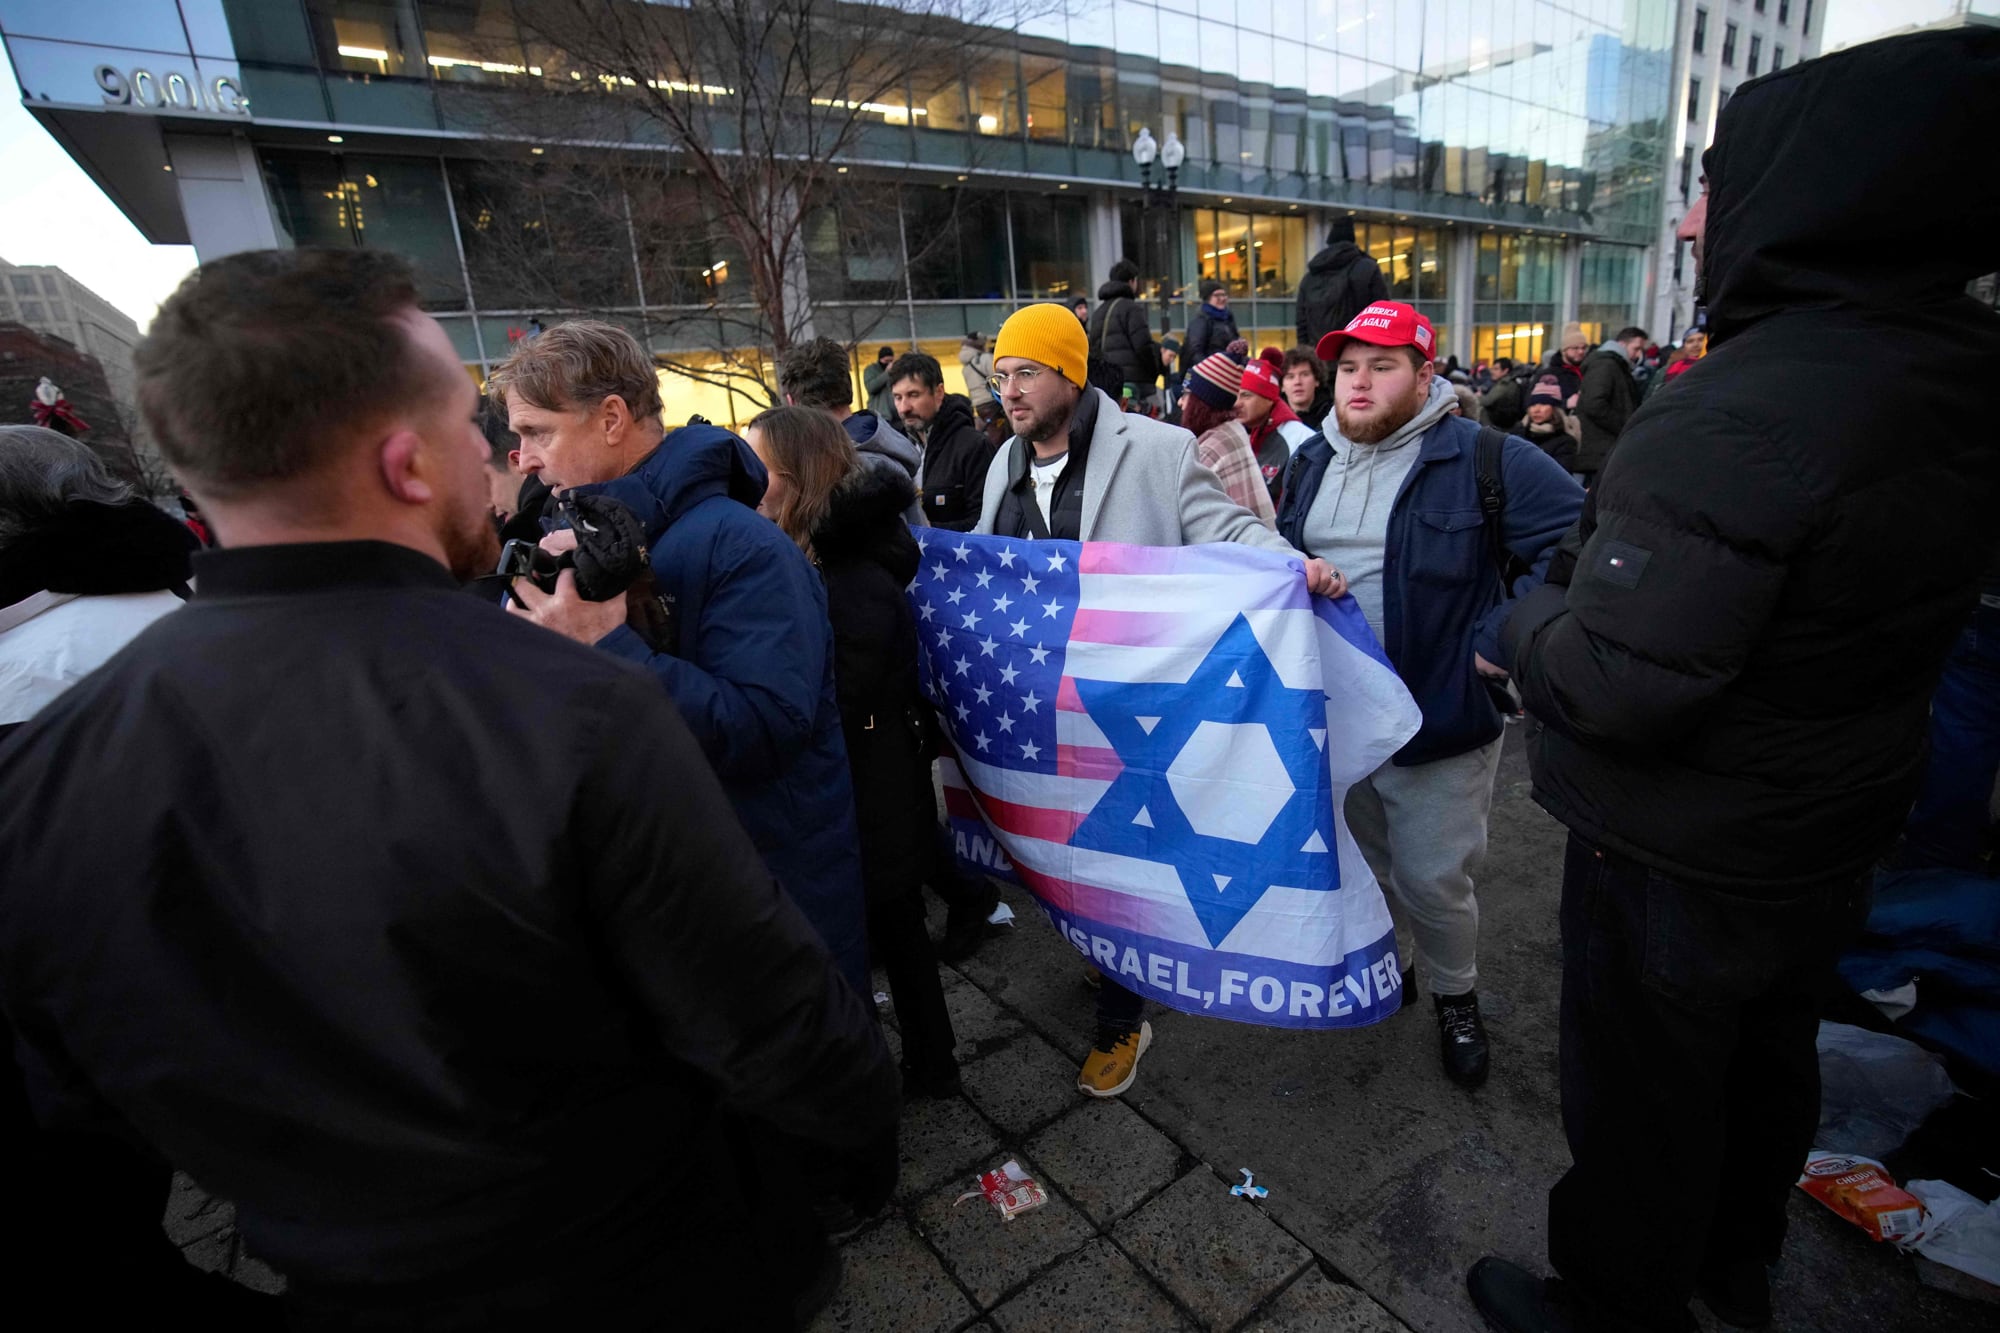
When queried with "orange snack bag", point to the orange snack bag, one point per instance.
{"points": [[1861, 1190]]}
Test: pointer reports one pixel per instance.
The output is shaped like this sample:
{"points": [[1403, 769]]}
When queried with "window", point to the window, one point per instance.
{"points": [[50, 285], [1687, 173], [1700, 31], [1048, 100], [1756, 49], [1694, 100], [1805, 20], [58, 311], [1722, 99], [360, 37], [1729, 44], [1760, 6], [1777, 58], [1784, 11], [24, 284], [386, 203], [32, 312], [474, 41]]}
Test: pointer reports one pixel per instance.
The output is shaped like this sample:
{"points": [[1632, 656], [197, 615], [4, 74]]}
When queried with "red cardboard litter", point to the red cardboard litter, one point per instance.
{"points": [[1010, 1189]]}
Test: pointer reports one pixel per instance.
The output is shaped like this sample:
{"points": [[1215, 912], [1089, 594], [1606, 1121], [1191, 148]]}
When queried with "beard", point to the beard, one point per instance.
{"points": [[471, 546], [1046, 424], [1392, 418]]}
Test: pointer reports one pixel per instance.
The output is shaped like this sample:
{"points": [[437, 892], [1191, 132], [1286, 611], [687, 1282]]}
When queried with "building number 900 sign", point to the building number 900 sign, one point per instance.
{"points": [[172, 91]]}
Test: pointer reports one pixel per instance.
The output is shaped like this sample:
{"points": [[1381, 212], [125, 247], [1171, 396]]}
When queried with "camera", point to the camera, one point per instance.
{"points": [[609, 557]]}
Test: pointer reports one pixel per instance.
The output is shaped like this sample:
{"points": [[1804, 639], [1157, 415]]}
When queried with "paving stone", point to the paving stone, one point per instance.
{"points": [[976, 1021], [193, 1213], [1022, 1086], [1215, 1252], [1097, 1288], [213, 1253], [255, 1274], [939, 1140], [1106, 1158], [989, 1256], [1318, 1304], [891, 1280]]}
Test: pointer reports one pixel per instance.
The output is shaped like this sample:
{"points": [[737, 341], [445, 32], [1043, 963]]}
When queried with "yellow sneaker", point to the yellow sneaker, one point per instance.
{"points": [[1108, 1073]]}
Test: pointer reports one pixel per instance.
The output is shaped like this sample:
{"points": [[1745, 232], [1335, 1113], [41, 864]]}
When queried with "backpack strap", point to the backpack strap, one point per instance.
{"points": [[1486, 462]]}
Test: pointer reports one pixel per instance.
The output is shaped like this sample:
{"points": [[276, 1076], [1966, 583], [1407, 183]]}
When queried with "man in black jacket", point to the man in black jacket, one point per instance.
{"points": [[1731, 691], [1212, 328], [1340, 282], [422, 934], [1120, 333], [1608, 397], [955, 451]]}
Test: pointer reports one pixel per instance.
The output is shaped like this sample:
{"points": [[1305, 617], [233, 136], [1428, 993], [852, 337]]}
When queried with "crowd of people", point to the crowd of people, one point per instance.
{"points": [[439, 902]]}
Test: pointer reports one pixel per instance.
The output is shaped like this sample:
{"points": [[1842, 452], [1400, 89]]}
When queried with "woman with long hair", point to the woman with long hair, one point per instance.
{"points": [[1221, 442], [848, 519]]}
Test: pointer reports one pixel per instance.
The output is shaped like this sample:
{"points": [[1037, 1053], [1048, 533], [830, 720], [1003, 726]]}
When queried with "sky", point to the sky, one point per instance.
{"points": [[61, 218], [1851, 21]]}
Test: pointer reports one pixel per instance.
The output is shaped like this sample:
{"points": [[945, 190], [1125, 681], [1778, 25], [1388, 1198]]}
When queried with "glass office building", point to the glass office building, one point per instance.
{"points": [[1503, 161]]}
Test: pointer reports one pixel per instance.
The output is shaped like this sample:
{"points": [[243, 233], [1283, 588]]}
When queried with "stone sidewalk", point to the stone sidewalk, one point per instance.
{"points": [[1138, 1233]]}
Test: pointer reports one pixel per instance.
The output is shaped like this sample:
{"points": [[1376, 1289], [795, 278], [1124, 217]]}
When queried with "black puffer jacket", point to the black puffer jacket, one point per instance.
{"points": [[1340, 282], [868, 556], [1119, 333], [1734, 685], [1605, 403], [956, 456]]}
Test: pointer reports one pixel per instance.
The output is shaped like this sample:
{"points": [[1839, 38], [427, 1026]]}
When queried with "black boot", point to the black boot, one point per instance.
{"points": [[965, 919], [1739, 1294], [1461, 1038], [1513, 1300]]}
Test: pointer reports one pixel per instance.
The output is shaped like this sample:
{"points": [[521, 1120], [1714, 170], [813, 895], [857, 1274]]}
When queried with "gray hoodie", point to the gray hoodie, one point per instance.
{"points": [[888, 450], [1348, 524]]}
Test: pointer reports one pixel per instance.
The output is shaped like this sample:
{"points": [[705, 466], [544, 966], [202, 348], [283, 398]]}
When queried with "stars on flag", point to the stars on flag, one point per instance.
{"points": [[993, 700]]}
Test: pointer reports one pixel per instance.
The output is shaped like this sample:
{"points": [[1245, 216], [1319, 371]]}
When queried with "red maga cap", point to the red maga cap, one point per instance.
{"points": [[1260, 379], [1385, 324]]}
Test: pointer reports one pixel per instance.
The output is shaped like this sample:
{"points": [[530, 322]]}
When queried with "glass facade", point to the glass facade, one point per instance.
{"points": [[1515, 293], [1481, 148], [1611, 279], [1538, 110]]}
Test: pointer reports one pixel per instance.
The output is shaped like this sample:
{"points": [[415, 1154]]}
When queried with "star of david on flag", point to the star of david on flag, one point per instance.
{"points": [[1156, 743]]}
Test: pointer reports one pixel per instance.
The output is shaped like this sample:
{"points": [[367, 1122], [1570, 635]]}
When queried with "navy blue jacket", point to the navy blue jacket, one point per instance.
{"points": [[752, 673], [1442, 599]]}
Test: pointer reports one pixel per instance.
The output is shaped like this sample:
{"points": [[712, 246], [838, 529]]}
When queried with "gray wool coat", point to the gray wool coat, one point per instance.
{"points": [[1144, 486]]}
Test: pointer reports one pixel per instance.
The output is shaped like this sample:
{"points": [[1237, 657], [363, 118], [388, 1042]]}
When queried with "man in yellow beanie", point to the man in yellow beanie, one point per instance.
{"points": [[1079, 469]]}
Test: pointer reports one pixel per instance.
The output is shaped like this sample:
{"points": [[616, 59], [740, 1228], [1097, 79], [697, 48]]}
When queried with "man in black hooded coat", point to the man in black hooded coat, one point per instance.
{"points": [[1120, 334], [1340, 282], [1731, 679]]}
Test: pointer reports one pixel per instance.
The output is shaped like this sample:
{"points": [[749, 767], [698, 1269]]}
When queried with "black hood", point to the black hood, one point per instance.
{"points": [[1111, 291], [954, 413], [1863, 179], [864, 520], [94, 550], [1338, 255]]}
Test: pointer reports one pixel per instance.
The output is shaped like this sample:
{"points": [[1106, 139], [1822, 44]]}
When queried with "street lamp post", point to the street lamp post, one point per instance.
{"points": [[1145, 151]]}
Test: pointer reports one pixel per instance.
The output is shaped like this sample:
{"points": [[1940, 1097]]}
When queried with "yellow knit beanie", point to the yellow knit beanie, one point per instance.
{"points": [[1050, 334]]}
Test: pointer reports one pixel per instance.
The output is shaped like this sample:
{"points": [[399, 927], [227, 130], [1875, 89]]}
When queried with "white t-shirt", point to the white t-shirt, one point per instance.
{"points": [[1045, 476]]}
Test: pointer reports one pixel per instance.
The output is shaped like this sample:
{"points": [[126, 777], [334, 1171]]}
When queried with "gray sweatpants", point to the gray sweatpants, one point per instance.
{"points": [[1423, 830]]}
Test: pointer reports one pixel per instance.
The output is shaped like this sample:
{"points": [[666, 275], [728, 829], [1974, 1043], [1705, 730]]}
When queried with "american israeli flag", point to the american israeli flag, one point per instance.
{"points": [[1156, 742]]}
